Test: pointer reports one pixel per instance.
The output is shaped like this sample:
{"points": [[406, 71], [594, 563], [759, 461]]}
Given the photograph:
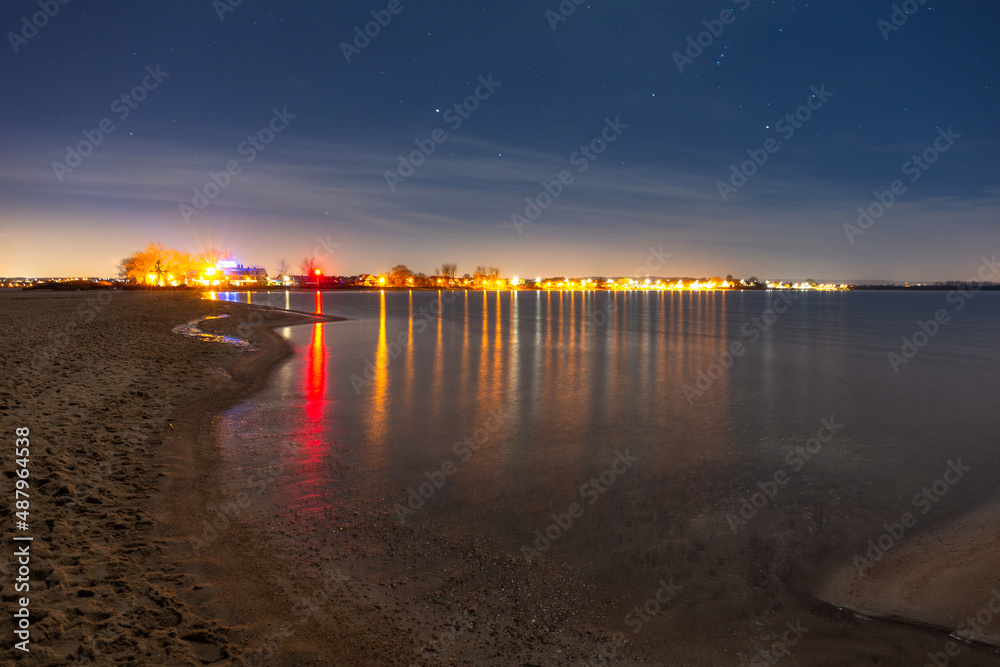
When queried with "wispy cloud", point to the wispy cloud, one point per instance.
{"points": [[470, 188]]}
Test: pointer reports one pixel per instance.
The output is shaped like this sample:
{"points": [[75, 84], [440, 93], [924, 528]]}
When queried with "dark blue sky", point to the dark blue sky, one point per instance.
{"points": [[322, 180]]}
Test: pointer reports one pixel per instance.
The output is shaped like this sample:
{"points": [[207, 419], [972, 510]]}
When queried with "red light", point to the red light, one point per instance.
{"points": [[318, 272]]}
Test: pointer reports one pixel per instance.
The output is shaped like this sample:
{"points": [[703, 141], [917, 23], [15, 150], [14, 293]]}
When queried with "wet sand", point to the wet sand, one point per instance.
{"points": [[946, 578], [118, 476], [151, 549]]}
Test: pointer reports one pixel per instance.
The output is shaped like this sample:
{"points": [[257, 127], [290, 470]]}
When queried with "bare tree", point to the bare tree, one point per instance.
{"points": [[283, 268], [213, 256], [479, 277], [447, 270], [309, 265], [127, 266]]}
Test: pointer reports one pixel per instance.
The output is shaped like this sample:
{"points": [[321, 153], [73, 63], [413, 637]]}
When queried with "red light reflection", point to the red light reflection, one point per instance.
{"points": [[315, 388]]}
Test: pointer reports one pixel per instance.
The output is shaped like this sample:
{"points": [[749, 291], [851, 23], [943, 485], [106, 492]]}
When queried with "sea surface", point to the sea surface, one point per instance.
{"points": [[740, 443]]}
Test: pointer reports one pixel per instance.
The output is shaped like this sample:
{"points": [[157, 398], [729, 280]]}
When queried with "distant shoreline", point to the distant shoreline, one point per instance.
{"points": [[75, 287]]}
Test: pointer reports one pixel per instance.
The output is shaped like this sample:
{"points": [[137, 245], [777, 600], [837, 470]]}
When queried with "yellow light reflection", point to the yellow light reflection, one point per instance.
{"points": [[380, 383], [497, 355], [465, 347], [485, 344], [439, 356], [409, 354]]}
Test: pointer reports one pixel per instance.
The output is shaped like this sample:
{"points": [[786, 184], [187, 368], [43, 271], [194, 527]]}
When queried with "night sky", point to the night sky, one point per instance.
{"points": [[221, 74]]}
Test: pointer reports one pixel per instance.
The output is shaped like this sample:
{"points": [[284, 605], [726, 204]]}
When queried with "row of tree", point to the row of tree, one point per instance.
{"points": [[158, 265], [401, 276], [161, 266]]}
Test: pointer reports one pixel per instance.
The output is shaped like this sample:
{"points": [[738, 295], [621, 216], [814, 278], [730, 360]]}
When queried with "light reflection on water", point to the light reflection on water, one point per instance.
{"points": [[610, 368], [387, 394]]}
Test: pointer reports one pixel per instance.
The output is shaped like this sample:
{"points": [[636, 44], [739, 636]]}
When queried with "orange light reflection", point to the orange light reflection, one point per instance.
{"points": [[380, 395]]}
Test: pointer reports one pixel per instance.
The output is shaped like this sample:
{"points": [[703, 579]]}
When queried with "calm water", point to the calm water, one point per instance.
{"points": [[555, 385]]}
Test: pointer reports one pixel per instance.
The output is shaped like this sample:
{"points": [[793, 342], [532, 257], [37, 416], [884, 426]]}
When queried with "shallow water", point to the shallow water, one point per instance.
{"points": [[191, 330], [514, 404]]}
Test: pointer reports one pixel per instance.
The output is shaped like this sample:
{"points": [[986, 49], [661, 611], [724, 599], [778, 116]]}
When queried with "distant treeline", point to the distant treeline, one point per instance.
{"points": [[930, 287]]}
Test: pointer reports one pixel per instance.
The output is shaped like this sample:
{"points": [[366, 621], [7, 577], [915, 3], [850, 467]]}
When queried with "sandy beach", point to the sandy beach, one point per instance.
{"points": [[118, 475], [946, 578], [150, 549], [144, 554]]}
